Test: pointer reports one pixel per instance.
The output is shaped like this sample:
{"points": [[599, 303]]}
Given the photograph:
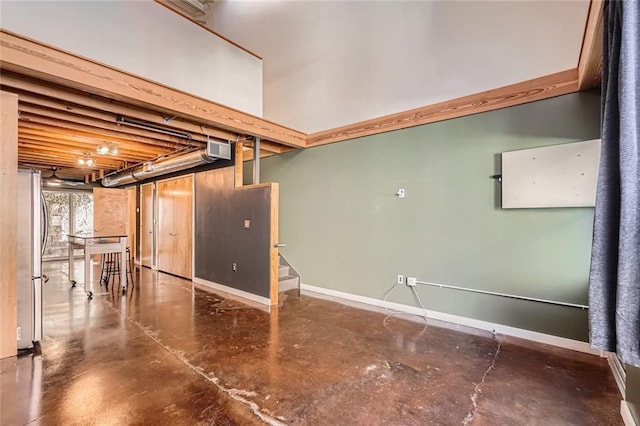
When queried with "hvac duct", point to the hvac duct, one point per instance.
{"points": [[212, 152]]}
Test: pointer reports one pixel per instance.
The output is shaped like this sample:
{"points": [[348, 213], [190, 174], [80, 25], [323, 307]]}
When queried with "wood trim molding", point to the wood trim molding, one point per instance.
{"points": [[31, 58], [590, 63], [204, 27], [537, 89]]}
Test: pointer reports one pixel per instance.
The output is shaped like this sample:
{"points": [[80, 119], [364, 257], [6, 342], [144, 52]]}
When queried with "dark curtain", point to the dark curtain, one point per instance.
{"points": [[614, 282]]}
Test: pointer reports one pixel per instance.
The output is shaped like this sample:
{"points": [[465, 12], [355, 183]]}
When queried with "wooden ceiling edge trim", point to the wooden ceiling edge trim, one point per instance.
{"points": [[590, 62], [545, 87], [36, 59], [204, 27]]}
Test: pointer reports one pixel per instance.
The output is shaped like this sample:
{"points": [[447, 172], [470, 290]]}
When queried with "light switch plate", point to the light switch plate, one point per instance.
{"points": [[247, 223]]}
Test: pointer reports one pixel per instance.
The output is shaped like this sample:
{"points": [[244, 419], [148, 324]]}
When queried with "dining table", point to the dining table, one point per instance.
{"points": [[97, 243]]}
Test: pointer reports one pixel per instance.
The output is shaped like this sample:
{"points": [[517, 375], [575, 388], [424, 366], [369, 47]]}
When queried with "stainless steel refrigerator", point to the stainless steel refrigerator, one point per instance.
{"points": [[31, 228]]}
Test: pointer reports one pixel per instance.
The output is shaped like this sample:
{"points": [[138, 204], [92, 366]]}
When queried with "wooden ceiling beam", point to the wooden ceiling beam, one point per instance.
{"points": [[78, 151], [73, 155], [126, 131], [590, 63], [28, 57], [98, 133], [87, 147], [34, 129], [71, 100]]}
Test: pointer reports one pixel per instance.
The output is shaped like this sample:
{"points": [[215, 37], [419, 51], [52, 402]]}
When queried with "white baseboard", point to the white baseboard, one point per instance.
{"points": [[232, 291], [562, 342], [625, 412]]}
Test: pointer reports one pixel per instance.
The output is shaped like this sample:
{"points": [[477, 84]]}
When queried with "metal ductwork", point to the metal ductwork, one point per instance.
{"points": [[54, 183], [163, 166]]}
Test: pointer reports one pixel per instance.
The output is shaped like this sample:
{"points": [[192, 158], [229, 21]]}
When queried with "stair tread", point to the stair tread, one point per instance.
{"points": [[287, 277]]}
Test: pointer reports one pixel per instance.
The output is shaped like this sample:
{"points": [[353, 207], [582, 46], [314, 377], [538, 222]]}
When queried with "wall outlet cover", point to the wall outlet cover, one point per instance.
{"points": [[411, 281], [400, 279]]}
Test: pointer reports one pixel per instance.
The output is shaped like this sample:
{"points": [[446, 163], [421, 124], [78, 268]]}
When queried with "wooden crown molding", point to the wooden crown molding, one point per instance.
{"points": [[528, 91], [31, 58], [590, 63]]}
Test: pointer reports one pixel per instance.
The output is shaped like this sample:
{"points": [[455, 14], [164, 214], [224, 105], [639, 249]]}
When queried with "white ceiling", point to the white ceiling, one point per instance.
{"points": [[328, 64]]}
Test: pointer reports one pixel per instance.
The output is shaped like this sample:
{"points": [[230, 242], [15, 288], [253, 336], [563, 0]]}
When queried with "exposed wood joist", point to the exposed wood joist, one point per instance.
{"points": [[27, 57], [99, 133], [590, 64], [528, 91], [44, 115], [62, 98]]}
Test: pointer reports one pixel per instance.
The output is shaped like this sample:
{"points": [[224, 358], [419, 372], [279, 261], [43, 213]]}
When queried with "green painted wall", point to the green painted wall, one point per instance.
{"points": [[346, 230]]}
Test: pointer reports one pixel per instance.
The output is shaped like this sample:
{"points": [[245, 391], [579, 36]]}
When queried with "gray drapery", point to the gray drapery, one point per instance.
{"points": [[614, 281]]}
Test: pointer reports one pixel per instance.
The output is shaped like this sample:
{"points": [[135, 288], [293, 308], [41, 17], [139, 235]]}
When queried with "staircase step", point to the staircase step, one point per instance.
{"points": [[288, 282], [283, 271]]}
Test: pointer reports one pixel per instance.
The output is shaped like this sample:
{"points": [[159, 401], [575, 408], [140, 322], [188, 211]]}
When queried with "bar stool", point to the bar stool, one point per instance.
{"points": [[112, 269]]}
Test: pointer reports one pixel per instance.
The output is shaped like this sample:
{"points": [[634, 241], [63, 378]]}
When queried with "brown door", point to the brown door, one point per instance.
{"points": [[165, 226], [146, 225], [175, 198], [182, 225]]}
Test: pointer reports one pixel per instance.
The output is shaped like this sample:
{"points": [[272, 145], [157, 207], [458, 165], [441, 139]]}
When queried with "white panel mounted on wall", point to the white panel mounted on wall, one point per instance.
{"points": [[562, 175]]}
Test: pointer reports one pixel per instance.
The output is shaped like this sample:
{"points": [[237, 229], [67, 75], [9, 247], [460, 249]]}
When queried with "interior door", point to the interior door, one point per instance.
{"points": [[146, 225], [165, 238], [182, 225], [175, 224]]}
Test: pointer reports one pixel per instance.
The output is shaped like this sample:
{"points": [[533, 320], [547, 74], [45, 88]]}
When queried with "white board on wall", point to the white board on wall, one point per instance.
{"points": [[146, 39], [552, 176]]}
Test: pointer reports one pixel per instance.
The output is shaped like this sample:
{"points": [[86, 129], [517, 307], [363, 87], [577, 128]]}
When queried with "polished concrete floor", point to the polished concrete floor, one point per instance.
{"points": [[166, 353]]}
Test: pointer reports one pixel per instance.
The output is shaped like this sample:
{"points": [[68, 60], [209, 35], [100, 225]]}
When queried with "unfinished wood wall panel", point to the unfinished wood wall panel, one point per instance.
{"points": [[110, 213], [175, 210], [8, 223], [146, 224], [274, 251]]}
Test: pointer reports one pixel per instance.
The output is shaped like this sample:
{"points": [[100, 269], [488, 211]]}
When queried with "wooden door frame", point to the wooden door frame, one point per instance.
{"points": [[154, 265]]}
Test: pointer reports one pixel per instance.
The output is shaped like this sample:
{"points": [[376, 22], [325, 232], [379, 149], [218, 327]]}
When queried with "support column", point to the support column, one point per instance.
{"points": [[256, 161]]}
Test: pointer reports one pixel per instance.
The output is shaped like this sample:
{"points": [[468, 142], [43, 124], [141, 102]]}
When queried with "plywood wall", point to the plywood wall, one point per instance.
{"points": [[110, 212], [8, 223]]}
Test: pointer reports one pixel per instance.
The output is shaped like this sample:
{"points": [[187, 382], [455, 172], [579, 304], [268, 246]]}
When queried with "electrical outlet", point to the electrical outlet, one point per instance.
{"points": [[411, 281], [19, 332], [234, 267], [400, 279]]}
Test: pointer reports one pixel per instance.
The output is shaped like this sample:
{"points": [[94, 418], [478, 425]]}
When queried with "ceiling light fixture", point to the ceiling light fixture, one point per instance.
{"points": [[86, 160], [107, 149], [153, 127]]}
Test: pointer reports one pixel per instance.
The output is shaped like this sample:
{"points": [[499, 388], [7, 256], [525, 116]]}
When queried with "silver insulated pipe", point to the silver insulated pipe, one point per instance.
{"points": [[159, 167]]}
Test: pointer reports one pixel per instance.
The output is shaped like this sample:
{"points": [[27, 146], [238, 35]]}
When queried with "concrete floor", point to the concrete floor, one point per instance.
{"points": [[167, 353]]}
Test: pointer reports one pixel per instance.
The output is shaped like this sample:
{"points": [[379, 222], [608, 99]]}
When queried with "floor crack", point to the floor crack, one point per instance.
{"points": [[478, 390], [236, 394]]}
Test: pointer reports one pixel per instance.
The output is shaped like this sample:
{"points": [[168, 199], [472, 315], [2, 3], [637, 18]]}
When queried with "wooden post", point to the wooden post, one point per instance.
{"points": [[8, 224], [239, 164]]}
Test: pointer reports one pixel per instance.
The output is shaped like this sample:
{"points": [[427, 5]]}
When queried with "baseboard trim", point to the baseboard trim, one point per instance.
{"points": [[233, 291], [548, 339], [619, 373], [625, 412]]}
